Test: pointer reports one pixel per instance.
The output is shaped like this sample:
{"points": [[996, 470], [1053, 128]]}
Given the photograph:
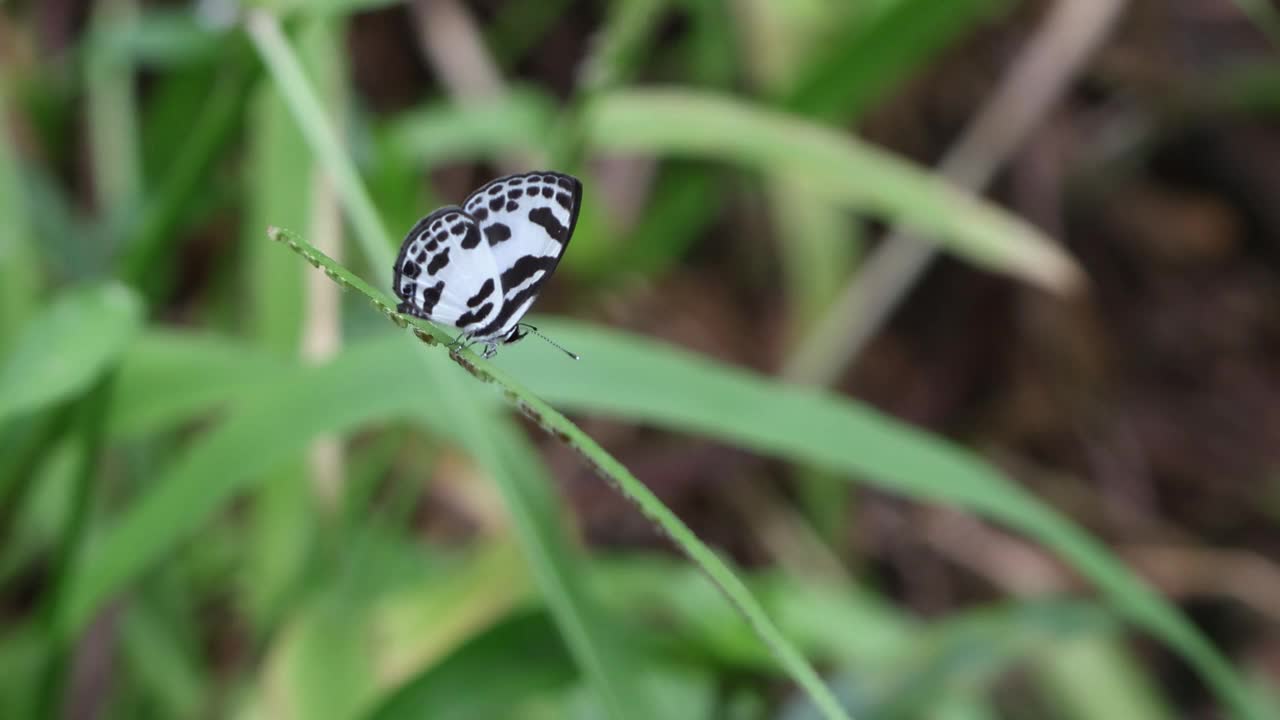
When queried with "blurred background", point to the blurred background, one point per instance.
{"points": [[950, 326]]}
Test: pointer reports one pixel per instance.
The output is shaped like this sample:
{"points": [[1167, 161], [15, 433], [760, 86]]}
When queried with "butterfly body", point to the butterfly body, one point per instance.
{"points": [[478, 267]]}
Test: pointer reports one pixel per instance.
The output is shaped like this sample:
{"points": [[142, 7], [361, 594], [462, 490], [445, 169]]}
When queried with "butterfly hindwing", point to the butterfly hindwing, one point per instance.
{"points": [[526, 221], [446, 273]]}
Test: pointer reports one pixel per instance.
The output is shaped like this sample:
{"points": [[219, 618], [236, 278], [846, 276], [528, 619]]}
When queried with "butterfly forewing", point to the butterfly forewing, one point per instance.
{"points": [[446, 273], [526, 221], [479, 267]]}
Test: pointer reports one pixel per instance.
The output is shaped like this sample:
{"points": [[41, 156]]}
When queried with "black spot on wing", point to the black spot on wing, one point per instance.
{"points": [[422, 256], [564, 200], [525, 268], [566, 182], [495, 188], [481, 214], [515, 194], [509, 307], [512, 206], [459, 228], [544, 218], [430, 297], [496, 204], [438, 262], [416, 239], [547, 191], [481, 294], [497, 232], [515, 181], [471, 317], [472, 238], [411, 269]]}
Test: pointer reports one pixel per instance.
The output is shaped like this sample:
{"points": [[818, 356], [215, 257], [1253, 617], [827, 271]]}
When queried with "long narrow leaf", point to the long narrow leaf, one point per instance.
{"points": [[835, 166]]}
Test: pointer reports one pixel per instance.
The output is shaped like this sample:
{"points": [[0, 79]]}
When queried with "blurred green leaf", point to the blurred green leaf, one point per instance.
{"points": [[278, 424], [521, 656], [464, 413], [869, 54], [169, 377], [833, 166], [1095, 678], [1265, 16], [67, 346], [24, 652], [622, 43], [157, 37], [20, 273], [281, 419], [683, 392], [151, 232], [161, 665], [441, 133]]}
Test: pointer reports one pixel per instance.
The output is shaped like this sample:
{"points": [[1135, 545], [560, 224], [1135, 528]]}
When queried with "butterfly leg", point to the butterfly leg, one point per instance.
{"points": [[460, 342]]}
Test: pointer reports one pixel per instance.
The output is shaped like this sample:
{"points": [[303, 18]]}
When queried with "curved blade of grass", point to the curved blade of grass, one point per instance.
{"points": [[870, 53], [488, 438], [605, 465], [836, 166], [279, 422], [284, 67], [436, 134], [681, 391], [228, 458]]}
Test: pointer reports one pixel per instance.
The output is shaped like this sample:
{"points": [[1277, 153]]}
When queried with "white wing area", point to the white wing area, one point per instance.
{"points": [[446, 273], [526, 221]]}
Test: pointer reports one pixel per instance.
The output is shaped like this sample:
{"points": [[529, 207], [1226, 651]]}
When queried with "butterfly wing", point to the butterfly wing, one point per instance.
{"points": [[526, 221], [446, 273]]}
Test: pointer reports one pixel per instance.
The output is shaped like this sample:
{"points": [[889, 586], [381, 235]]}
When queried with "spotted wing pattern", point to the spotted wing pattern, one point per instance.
{"points": [[526, 221], [446, 273]]}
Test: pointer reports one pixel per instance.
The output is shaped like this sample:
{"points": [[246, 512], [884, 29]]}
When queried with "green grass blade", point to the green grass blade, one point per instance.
{"points": [[150, 233], [683, 392], [835, 166], [112, 114], [311, 118], [279, 422], [435, 134], [20, 274], [867, 57], [485, 436], [228, 458], [609, 468]]}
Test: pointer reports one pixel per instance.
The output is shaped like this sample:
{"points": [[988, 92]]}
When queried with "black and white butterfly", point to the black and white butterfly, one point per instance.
{"points": [[479, 267]]}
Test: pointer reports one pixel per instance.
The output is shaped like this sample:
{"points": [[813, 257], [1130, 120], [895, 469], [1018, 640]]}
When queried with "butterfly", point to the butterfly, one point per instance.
{"points": [[479, 267]]}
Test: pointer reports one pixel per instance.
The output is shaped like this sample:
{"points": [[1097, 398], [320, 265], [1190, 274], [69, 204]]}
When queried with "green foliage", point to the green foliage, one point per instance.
{"points": [[66, 347], [163, 433]]}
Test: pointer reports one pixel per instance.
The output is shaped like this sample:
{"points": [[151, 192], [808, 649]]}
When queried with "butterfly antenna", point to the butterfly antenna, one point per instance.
{"points": [[551, 342]]}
